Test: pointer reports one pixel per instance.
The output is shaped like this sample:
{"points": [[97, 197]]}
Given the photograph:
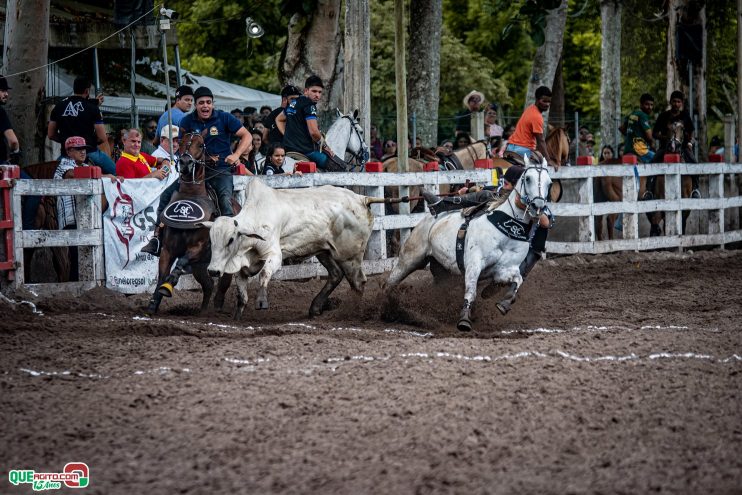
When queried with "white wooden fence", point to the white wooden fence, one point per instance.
{"points": [[722, 203]]}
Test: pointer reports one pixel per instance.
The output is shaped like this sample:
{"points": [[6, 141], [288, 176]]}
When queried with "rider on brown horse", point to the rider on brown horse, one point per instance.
{"points": [[216, 127]]}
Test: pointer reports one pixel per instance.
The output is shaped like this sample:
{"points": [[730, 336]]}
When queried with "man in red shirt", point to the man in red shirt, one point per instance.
{"points": [[529, 132], [134, 164]]}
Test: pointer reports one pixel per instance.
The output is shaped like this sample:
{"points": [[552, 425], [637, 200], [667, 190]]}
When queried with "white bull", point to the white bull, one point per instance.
{"points": [[331, 223], [495, 244]]}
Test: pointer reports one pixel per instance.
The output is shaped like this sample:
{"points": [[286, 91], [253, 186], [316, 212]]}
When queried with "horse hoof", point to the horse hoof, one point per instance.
{"points": [[166, 289], [504, 307], [464, 325], [261, 304]]}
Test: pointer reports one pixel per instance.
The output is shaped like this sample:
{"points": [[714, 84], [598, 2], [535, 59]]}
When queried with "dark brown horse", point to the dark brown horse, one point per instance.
{"points": [[188, 245]]}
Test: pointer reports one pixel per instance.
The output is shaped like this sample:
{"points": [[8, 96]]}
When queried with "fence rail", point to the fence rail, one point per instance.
{"points": [[722, 204]]}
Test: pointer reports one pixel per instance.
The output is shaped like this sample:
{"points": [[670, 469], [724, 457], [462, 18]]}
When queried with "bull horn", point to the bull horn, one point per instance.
{"points": [[208, 224]]}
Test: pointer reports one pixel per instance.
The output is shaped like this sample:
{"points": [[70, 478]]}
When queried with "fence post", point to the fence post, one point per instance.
{"points": [[716, 217], [89, 216], [477, 125], [674, 217], [630, 194], [586, 225], [376, 247]]}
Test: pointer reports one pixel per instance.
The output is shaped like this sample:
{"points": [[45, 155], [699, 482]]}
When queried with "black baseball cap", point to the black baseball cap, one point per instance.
{"points": [[4, 84], [183, 91], [201, 92], [290, 90]]}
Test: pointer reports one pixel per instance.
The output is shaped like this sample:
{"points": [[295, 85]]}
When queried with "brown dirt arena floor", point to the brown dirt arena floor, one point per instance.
{"points": [[613, 374]]}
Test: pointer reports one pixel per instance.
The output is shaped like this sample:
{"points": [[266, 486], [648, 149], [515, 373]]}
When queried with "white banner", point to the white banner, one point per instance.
{"points": [[128, 225]]}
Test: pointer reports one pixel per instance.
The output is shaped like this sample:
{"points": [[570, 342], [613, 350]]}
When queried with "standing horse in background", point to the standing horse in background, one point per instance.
{"points": [[655, 189], [345, 139], [185, 240], [607, 189]]}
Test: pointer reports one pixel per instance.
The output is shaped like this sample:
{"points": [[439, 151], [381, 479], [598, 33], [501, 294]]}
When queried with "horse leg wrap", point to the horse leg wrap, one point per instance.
{"points": [[464, 323]]}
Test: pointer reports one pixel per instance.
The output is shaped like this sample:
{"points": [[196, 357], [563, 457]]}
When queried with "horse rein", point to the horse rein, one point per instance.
{"points": [[364, 154], [188, 154]]}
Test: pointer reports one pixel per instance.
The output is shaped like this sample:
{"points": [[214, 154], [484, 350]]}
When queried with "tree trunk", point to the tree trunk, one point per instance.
{"points": [[423, 78], [314, 46], [679, 77], [548, 55], [26, 47], [610, 73], [556, 112], [357, 91]]}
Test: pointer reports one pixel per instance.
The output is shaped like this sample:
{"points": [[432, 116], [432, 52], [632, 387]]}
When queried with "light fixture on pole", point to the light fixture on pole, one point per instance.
{"points": [[253, 29]]}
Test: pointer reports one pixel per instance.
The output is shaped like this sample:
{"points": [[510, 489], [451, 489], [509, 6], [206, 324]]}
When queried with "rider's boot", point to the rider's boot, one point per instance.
{"points": [[695, 193], [154, 246]]}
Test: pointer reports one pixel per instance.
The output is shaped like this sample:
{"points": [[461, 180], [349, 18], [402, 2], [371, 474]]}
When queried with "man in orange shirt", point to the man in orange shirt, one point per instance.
{"points": [[134, 164], [529, 132]]}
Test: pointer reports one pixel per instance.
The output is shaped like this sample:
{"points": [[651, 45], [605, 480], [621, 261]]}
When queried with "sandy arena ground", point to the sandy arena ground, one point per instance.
{"points": [[612, 374]]}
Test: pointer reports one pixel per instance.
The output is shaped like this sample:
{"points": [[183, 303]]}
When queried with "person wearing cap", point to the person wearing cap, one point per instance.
{"points": [[218, 127], [473, 103], [273, 134], [183, 104], [134, 164], [79, 115], [162, 153], [663, 131], [76, 155], [302, 133]]}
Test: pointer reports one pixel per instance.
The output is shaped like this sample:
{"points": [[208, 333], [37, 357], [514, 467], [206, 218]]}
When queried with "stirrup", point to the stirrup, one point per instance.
{"points": [[648, 196], [153, 247], [695, 194]]}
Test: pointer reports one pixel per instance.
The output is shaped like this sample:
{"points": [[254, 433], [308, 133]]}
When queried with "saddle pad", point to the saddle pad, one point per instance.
{"points": [[187, 213], [514, 229]]}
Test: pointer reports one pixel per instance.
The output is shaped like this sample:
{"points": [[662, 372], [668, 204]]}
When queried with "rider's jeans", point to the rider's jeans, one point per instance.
{"points": [[319, 158], [521, 150], [223, 185]]}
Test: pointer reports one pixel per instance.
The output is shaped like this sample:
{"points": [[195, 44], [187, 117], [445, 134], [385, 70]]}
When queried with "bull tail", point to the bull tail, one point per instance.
{"points": [[404, 199]]}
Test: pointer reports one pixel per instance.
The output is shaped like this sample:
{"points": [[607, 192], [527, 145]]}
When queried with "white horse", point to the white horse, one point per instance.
{"points": [[345, 139], [494, 245]]}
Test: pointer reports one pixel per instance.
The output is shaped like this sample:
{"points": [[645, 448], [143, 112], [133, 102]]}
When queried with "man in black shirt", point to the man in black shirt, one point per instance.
{"points": [[664, 130], [272, 134], [9, 145], [78, 115], [302, 128]]}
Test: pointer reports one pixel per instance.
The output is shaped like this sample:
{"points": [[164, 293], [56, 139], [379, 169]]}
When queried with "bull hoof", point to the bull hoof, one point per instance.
{"points": [[261, 304], [314, 312], [166, 289], [464, 325], [504, 307], [151, 309]]}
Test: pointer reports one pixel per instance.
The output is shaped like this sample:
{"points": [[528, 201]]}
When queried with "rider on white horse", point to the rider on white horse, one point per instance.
{"points": [[302, 133]]}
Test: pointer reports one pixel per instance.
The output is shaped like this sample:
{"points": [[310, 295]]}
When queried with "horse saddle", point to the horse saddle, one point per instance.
{"points": [[188, 212], [514, 158]]}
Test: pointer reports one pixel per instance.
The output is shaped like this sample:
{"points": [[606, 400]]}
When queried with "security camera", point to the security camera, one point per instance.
{"points": [[169, 13]]}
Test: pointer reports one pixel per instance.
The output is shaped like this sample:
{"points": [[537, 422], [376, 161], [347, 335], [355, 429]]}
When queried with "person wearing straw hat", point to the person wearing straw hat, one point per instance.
{"points": [[473, 103]]}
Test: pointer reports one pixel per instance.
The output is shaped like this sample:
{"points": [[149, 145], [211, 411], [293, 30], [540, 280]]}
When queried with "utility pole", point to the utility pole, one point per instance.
{"points": [[401, 79], [357, 67]]}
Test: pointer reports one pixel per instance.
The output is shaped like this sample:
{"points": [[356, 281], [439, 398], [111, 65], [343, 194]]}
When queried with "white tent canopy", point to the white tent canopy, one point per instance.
{"points": [[227, 96]]}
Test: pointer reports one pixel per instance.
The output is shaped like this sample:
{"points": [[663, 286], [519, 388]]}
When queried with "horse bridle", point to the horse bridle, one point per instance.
{"points": [[525, 198], [364, 154], [188, 154]]}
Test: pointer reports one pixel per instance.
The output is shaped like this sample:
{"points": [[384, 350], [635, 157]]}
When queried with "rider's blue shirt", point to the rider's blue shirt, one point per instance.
{"points": [[218, 130]]}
